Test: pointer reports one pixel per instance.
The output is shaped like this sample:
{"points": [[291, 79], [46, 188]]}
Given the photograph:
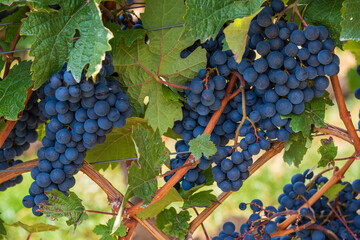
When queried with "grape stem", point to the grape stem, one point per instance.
{"points": [[202, 225], [342, 159], [263, 221], [300, 17], [243, 101], [292, 230], [280, 14], [293, 12]]}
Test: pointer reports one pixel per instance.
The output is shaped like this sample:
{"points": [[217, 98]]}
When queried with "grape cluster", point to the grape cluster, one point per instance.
{"points": [[290, 70], [20, 137], [81, 114], [263, 222]]}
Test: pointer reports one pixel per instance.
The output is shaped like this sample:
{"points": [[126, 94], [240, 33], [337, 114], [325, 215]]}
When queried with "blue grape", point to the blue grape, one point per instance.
{"points": [[62, 94], [275, 60], [101, 108], [282, 135], [331, 69], [325, 57]]}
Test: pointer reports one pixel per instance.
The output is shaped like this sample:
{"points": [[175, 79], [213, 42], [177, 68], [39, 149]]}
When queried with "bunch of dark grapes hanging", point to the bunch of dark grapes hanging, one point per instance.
{"points": [[325, 219], [80, 115], [20, 137], [289, 72]]}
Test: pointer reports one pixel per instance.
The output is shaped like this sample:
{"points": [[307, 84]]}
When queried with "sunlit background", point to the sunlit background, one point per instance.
{"points": [[266, 184]]}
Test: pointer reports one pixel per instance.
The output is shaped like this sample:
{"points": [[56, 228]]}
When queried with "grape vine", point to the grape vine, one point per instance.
{"points": [[193, 97]]}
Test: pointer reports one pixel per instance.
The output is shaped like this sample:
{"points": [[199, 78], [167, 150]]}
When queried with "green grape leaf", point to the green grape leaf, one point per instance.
{"points": [[209, 176], [313, 114], [172, 223], [143, 67], [41, 131], [14, 18], [129, 35], [333, 191], [200, 199], [105, 230], [6, 48], [54, 32], [2, 229], [170, 95], [171, 134], [154, 209], [236, 34], [8, 2], [353, 79], [118, 145], [60, 205], [351, 20], [354, 47], [204, 18], [151, 152], [13, 90], [326, 13], [328, 152], [37, 227], [114, 28], [296, 148], [202, 145]]}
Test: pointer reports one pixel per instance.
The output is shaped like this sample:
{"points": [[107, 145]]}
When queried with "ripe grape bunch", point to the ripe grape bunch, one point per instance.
{"points": [[326, 219], [20, 137], [290, 71], [80, 114]]}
